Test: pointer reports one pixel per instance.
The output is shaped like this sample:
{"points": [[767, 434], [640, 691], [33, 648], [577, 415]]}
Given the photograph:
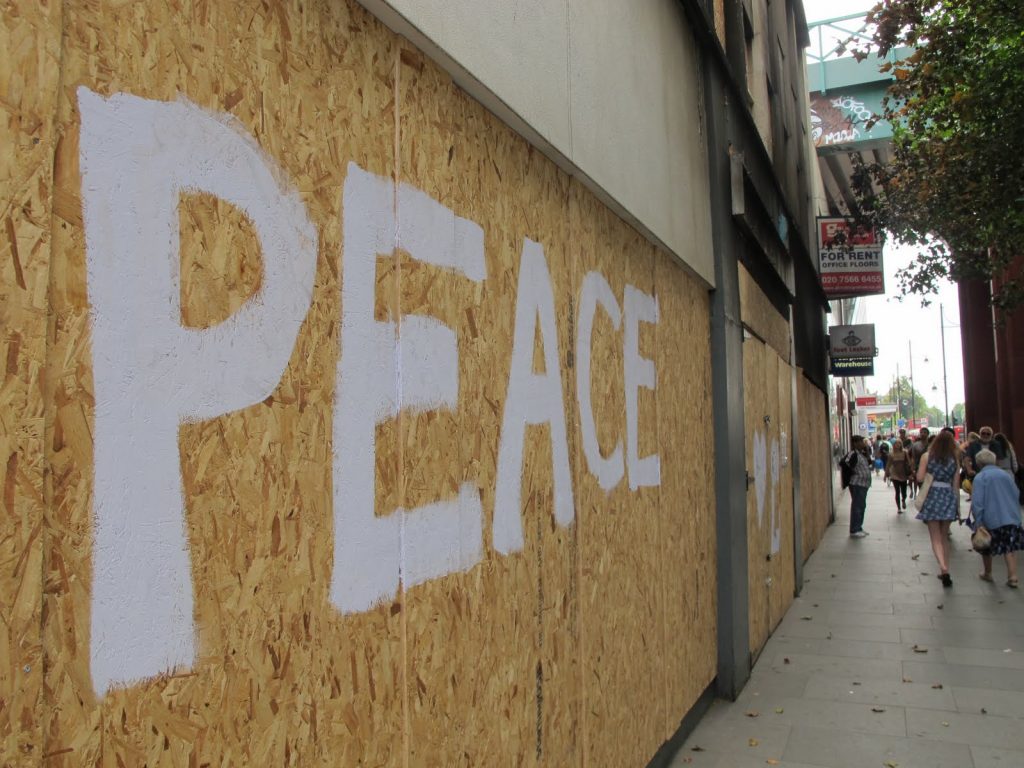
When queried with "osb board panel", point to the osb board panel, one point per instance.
{"points": [[281, 678], [689, 546], [620, 596], [29, 71], [757, 407], [761, 316], [781, 467], [769, 436], [515, 616], [589, 645], [815, 465]]}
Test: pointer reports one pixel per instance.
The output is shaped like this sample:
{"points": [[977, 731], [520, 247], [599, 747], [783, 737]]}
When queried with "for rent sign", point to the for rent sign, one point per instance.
{"points": [[850, 262]]}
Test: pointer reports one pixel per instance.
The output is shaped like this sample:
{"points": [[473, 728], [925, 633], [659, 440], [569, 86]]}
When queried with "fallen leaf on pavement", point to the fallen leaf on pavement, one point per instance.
{"points": [[937, 686], [891, 764], [772, 761], [696, 749], [939, 606], [779, 710], [907, 680], [753, 742], [984, 711], [752, 713], [914, 557], [786, 660], [945, 724], [920, 649], [878, 709], [806, 618]]}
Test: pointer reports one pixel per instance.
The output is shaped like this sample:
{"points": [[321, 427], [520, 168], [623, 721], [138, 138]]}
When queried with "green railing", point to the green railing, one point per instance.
{"points": [[830, 41]]}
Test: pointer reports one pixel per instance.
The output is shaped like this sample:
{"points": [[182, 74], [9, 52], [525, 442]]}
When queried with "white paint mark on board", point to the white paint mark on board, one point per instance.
{"points": [[639, 372], [386, 367], [150, 373], [760, 472], [595, 292], [532, 399], [776, 522]]}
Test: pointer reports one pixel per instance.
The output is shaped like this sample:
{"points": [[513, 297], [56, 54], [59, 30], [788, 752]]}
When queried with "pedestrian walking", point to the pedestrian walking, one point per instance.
{"points": [[857, 465], [995, 507], [941, 503], [897, 470]]}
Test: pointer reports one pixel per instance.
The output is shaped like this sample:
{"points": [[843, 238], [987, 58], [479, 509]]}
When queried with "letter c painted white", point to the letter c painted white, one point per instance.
{"points": [[151, 374], [595, 291]]}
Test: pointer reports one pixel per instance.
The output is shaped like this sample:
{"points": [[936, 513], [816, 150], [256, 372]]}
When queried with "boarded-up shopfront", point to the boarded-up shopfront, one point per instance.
{"points": [[342, 426]]}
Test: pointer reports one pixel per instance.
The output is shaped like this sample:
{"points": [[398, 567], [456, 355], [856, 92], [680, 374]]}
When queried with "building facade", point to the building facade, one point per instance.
{"points": [[401, 383]]}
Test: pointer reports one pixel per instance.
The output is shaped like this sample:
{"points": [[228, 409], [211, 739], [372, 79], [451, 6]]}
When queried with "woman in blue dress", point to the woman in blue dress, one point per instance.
{"points": [[942, 505]]}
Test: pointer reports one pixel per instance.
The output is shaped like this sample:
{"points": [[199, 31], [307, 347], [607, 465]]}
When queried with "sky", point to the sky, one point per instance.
{"points": [[898, 322], [903, 326]]}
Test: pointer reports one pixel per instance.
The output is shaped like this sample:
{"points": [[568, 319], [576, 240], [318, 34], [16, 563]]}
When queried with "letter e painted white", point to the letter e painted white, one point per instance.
{"points": [[150, 373], [385, 367], [532, 398], [639, 372], [595, 291]]}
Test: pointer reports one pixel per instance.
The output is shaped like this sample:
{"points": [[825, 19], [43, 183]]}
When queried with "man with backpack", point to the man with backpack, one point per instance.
{"points": [[855, 473]]}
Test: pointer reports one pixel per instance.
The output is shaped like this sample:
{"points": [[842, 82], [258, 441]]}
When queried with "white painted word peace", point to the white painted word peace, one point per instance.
{"points": [[152, 374]]}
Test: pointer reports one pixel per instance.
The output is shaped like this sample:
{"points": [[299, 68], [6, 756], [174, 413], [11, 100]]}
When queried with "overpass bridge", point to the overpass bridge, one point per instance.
{"points": [[846, 96]]}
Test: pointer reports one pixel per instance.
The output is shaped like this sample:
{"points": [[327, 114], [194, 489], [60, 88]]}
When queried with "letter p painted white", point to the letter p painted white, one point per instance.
{"points": [[150, 373]]}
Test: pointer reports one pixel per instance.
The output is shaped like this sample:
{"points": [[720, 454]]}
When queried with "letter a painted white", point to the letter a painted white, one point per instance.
{"points": [[533, 398], [385, 367], [639, 372], [596, 290], [150, 373]]}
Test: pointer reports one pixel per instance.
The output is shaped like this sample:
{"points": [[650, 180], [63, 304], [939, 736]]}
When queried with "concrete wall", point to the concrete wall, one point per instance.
{"points": [[609, 88]]}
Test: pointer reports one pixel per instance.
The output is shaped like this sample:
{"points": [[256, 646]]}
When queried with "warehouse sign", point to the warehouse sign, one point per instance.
{"points": [[850, 262], [846, 341], [852, 366]]}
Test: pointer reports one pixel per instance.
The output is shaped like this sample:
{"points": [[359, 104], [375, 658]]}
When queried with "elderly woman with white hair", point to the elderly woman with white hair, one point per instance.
{"points": [[995, 504]]}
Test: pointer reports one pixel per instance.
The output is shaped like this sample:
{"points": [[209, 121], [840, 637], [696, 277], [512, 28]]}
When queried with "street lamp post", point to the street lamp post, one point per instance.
{"points": [[913, 389], [945, 387]]}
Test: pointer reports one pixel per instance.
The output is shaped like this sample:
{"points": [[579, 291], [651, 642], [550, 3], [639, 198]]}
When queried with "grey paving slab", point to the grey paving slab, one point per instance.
{"points": [[880, 692], [838, 666], [967, 675], [940, 638], [1007, 658], [709, 759], [839, 684], [987, 757], [960, 728], [842, 748], [999, 703], [821, 630]]}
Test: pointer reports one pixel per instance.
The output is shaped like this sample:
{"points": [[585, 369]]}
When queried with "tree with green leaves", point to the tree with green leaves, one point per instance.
{"points": [[955, 183]]}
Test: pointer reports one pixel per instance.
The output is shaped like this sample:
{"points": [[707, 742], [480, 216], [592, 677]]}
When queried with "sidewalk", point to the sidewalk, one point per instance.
{"points": [[877, 666]]}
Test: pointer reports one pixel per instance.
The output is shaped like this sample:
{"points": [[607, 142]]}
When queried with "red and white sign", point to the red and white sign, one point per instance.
{"points": [[850, 263], [862, 401]]}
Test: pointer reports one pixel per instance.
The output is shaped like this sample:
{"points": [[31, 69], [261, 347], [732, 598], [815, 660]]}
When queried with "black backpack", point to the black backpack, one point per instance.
{"points": [[846, 465]]}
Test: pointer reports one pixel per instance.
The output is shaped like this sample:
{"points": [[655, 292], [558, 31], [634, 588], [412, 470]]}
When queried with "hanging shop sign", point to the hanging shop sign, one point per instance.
{"points": [[852, 366], [863, 401], [852, 341], [850, 262]]}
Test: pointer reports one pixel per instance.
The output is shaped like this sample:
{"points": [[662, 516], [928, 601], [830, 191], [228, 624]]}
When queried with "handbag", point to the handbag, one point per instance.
{"points": [[981, 540], [922, 494]]}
